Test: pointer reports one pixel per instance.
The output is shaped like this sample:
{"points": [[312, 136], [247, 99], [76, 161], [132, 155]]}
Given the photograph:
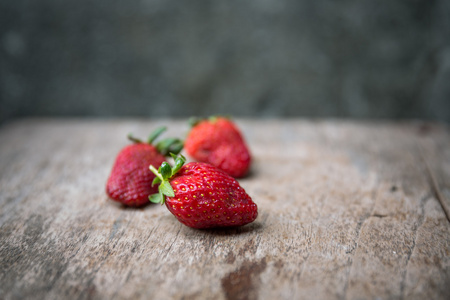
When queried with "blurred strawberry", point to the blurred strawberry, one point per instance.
{"points": [[130, 181], [218, 141]]}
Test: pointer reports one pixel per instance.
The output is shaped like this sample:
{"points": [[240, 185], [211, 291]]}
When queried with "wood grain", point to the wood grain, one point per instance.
{"points": [[347, 210]]}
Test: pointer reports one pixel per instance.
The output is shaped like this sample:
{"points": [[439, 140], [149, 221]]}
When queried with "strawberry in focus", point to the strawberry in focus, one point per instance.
{"points": [[218, 141], [130, 180], [202, 196]]}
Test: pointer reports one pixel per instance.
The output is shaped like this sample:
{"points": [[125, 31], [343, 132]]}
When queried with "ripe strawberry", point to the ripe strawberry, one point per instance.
{"points": [[219, 142], [200, 195], [130, 179]]}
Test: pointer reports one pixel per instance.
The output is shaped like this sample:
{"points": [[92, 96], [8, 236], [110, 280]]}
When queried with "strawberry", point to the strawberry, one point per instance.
{"points": [[130, 179], [219, 142], [201, 196]]}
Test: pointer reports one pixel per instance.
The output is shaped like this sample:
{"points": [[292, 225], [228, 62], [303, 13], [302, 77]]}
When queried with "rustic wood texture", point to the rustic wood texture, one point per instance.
{"points": [[347, 210]]}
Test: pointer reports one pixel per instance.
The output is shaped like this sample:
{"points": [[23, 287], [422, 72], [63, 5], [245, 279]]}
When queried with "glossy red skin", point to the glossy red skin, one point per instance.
{"points": [[221, 144], [130, 182], [206, 197]]}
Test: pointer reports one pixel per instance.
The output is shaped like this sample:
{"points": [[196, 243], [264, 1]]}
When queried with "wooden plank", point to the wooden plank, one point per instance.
{"points": [[427, 258], [347, 210]]}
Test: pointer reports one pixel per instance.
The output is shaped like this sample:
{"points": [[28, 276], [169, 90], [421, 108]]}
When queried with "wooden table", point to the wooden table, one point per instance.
{"points": [[347, 210]]}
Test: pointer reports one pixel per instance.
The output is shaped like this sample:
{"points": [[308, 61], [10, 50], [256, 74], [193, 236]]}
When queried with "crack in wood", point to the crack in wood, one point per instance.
{"points": [[434, 183], [173, 242], [415, 229], [358, 233], [379, 215], [90, 286], [309, 241], [116, 225], [303, 266]]}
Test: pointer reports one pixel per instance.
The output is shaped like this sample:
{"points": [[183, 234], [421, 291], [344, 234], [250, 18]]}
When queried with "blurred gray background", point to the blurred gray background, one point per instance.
{"points": [[385, 59]]}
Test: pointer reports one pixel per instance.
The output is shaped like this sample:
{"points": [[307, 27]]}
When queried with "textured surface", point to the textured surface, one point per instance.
{"points": [[360, 58], [350, 210]]}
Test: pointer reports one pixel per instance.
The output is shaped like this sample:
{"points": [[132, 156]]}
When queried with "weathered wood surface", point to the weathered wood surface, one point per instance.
{"points": [[347, 210]]}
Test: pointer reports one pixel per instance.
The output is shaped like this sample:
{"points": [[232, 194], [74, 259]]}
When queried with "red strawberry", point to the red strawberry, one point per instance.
{"points": [[219, 142], [200, 195], [130, 179]]}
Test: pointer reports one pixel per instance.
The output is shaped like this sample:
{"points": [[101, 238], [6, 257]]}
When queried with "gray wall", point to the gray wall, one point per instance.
{"points": [[268, 58]]}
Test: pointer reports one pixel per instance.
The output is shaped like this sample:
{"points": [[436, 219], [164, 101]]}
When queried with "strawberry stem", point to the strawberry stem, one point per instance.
{"points": [[133, 139], [163, 175], [158, 175], [165, 146]]}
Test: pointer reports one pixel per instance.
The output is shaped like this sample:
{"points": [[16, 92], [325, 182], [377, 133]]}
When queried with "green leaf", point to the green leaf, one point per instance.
{"points": [[166, 189], [165, 145], [176, 147], [154, 135], [165, 170], [179, 162], [156, 181], [156, 198]]}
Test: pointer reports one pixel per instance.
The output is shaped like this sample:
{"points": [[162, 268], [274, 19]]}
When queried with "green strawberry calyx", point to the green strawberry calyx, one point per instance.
{"points": [[163, 175], [165, 146]]}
